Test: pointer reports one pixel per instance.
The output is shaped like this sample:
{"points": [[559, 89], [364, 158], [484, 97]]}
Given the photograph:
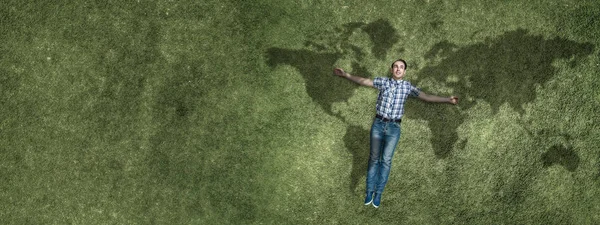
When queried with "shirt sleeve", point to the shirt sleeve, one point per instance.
{"points": [[414, 91], [378, 82]]}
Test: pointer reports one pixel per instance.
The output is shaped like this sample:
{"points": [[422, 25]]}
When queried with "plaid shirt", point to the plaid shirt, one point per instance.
{"points": [[392, 96]]}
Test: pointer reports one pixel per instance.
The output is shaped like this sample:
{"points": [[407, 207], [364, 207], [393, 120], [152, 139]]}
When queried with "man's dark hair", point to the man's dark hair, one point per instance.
{"points": [[401, 60]]}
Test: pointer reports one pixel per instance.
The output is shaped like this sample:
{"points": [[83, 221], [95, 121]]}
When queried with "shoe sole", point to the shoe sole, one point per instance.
{"points": [[368, 203]]}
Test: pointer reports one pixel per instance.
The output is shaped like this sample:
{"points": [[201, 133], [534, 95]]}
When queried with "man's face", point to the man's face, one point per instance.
{"points": [[398, 69]]}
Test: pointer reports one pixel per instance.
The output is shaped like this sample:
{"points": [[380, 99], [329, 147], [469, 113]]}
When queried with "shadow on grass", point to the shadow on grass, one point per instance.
{"points": [[316, 69], [443, 122], [316, 63], [357, 143], [561, 155], [501, 70]]}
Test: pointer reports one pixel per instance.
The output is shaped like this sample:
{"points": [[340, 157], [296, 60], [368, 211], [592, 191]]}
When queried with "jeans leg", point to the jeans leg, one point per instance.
{"points": [[391, 138], [377, 137]]}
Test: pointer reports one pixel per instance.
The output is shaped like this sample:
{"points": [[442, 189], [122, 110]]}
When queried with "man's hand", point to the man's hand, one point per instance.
{"points": [[453, 100], [340, 72]]}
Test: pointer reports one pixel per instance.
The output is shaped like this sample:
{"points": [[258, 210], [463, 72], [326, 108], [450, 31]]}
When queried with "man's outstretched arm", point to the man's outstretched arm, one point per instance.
{"points": [[433, 98], [356, 79]]}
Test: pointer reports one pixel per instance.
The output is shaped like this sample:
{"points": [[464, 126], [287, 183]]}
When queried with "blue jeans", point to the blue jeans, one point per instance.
{"points": [[384, 138]]}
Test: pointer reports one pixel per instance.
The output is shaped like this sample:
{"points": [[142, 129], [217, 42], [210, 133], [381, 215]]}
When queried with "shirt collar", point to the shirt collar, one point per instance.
{"points": [[396, 82]]}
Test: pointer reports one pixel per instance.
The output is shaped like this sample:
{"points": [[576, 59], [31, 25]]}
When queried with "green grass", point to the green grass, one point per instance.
{"points": [[226, 112]]}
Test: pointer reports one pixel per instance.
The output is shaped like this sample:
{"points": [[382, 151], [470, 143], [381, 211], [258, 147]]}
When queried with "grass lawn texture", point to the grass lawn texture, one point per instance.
{"points": [[227, 112]]}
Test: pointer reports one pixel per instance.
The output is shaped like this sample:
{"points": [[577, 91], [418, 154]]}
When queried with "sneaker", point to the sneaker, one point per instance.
{"points": [[377, 200], [369, 198]]}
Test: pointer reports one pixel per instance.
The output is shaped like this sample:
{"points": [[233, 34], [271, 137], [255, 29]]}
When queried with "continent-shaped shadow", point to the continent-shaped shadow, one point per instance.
{"points": [[357, 143], [501, 70], [443, 122], [316, 63], [316, 69], [561, 155], [383, 36], [561, 152]]}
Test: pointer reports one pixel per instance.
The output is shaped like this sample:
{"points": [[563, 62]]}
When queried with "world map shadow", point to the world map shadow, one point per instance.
{"points": [[316, 62], [501, 70], [356, 141], [316, 69], [315, 65]]}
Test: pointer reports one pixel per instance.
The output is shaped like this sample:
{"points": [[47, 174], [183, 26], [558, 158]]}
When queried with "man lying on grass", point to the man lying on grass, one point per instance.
{"points": [[385, 131]]}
